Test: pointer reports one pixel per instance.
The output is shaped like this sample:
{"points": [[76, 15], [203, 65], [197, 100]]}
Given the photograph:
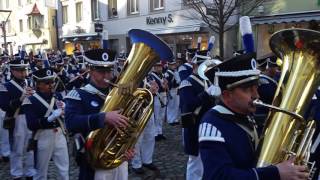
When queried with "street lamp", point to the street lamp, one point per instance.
{"points": [[4, 16]]}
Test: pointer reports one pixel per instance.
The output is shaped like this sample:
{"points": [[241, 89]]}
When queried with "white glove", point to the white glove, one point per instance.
{"points": [[54, 115], [214, 91]]}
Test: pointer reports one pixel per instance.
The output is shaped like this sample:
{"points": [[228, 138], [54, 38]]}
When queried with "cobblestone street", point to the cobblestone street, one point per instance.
{"points": [[168, 157]]}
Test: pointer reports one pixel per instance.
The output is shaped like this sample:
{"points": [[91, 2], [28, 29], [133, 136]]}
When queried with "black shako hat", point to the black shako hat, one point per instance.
{"points": [[18, 64], [239, 70], [200, 56], [100, 58], [268, 60], [44, 74]]}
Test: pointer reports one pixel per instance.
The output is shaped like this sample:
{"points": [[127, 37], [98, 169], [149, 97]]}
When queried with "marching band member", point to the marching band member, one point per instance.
{"points": [[267, 86], [160, 100], [62, 77], [4, 133], [83, 112], [4, 140], [12, 94], [313, 112], [44, 110], [185, 70], [144, 147], [194, 102], [173, 110], [37, 62], [228, 137]]}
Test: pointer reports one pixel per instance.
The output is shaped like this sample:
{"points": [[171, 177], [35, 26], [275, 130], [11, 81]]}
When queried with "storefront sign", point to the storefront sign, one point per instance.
{"points": [[159, 20], [98, 27]]}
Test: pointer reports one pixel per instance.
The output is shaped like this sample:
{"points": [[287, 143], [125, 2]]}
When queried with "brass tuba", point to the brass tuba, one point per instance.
{"points": [[106, 147], [286, 132]]}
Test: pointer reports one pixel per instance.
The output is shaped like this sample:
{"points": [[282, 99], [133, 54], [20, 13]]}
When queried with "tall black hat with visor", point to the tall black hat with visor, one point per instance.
{"points": [[100, 59]]}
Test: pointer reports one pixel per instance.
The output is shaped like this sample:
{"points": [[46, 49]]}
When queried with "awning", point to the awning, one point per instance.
{"points": [[176, 29], [35, 10], [286, 18], [81, 37]]}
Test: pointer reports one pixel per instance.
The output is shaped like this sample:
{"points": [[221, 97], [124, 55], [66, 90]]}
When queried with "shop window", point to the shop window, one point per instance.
{"points": [[79, 11], [95, 10], [156, 5], [112, 9], [133, 7], [64, 14]]}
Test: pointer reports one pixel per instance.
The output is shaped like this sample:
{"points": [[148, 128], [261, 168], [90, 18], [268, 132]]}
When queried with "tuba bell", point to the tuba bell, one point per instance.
{"points": [[286, 132], [106, 147]]}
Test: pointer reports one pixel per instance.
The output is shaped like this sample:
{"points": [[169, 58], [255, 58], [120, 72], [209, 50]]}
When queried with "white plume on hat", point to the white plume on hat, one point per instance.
{"points": [[246, 33]]}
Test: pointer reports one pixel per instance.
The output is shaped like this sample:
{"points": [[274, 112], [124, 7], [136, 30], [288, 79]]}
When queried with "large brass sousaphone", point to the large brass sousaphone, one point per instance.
{"points": [[286, 132], [106, 147]]}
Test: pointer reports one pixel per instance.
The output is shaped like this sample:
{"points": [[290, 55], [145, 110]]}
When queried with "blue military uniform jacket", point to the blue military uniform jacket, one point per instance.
{"points": [[35, 110], [313, 113], [172, 81], [82, 115], [194, 102], [185, 70], [10, 93], [228, 144]]}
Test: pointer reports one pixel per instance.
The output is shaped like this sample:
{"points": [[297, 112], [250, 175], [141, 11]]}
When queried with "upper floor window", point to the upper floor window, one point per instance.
{"points": [[19, 3], [7, 4], [29, 1], [64, 14], [79, 11], [156, 5], [95, 9], [36, 18], [112, 9], [133, 7], [21, 25], [37, 22], [29, 22]]}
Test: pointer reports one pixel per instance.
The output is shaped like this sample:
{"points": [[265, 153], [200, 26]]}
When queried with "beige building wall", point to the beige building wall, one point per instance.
{"points": [[42, 38]]}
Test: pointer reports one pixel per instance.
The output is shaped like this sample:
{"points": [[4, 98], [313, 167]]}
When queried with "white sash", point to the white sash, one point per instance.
{"points": [[50, 108], [17, 85], [43, 102], [202, 83], [156, 76], [20, 89]]}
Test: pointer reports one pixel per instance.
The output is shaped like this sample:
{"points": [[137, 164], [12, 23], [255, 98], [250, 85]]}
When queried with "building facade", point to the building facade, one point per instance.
{"points": [[77, 20], [275, 15], [174, 21], [31, 23]]}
